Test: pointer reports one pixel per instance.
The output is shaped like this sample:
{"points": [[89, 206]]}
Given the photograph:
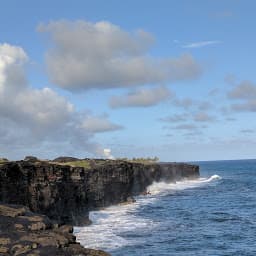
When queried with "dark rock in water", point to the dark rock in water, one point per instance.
{"points": [[66, 194], [25, 233]]}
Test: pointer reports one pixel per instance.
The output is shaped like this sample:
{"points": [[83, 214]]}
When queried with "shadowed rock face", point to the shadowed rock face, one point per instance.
{"points": [[66, 194], [25, 233]]}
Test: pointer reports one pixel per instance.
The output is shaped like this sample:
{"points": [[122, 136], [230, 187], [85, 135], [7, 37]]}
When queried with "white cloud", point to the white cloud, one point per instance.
{"points": [[186, 127], [13, 57], [244, 90], [185, 103], [245, 93], [101, 55], [201, 44], [246, 106], [203, 117], [247, 131], [93, 124], [39, 109], [176, 118], [141, 98], [37, 120], [107, 153]]}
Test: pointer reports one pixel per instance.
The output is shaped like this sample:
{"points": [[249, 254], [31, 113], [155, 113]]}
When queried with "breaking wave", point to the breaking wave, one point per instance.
{"points": [[109, 224], [163, 187]]}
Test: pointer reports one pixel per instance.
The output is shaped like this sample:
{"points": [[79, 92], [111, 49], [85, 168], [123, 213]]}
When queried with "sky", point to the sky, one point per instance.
{"points": [[172, 79]]}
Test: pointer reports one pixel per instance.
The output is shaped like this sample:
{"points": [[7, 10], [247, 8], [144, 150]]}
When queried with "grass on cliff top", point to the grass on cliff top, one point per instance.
{"points": [[90, 163], [3, 160], [81, 163], [141, 160]]}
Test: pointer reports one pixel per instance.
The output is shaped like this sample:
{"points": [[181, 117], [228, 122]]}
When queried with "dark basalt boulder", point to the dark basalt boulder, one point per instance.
{"points": [[23, 232]]}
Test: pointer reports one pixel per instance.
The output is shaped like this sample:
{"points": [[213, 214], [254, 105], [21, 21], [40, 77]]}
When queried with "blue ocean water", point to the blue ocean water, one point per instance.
{"points": [[214, 215]]}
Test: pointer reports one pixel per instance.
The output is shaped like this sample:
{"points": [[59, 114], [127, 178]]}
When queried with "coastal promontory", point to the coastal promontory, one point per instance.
{"points": [[40, 198]]}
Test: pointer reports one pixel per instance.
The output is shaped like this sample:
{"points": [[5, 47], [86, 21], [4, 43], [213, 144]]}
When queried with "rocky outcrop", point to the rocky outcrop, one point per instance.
{"points": [[25, 233], [66, 194]]}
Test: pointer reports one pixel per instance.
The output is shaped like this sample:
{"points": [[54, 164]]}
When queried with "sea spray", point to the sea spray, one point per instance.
{"points": [[163, 187], [109, 223]]}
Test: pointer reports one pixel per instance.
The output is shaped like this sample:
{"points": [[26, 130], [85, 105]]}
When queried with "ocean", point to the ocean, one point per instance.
{"points": [[214, 215]]}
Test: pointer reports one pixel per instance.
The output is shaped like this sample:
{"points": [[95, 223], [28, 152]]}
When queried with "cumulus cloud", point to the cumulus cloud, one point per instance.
{"points": [[141, 98], [40, 109], [247, 131], [244, 90], [186, 127], [176, 118], [245, 93], [36, 118], [249, 106], [94, 124], [201, 44], [102, 55], [205, 105], [185, 103], [203, 117]]}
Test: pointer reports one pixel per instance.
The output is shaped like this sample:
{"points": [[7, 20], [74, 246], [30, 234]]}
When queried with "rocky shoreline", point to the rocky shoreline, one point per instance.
{"points": [[60, 193], [23, 232]]}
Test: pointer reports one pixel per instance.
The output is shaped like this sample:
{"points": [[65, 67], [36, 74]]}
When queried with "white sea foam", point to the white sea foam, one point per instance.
{"points": [[108, 224], [163, 187]]}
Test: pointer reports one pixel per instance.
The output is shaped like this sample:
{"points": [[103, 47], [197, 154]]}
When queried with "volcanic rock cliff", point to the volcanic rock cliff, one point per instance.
{"points": [[66, 194], [61, 192]]}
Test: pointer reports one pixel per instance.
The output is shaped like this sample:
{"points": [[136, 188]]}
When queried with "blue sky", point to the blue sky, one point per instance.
{"points": [[173, 79]]}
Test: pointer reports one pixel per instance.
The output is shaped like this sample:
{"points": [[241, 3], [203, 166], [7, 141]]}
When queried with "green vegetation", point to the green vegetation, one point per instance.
{"points": [[81, 163], [3, 160], [91, 163], [142, 160]]}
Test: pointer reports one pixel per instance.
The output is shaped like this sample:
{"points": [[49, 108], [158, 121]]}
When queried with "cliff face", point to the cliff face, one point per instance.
{"points": [[66, 194]]}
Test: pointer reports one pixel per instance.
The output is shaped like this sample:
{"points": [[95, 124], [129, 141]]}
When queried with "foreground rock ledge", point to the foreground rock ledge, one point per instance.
{"points": [[25, 233]]}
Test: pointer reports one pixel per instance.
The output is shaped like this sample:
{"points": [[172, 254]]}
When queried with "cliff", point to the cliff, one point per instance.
{"points": [[62, 192], [67, 193]]}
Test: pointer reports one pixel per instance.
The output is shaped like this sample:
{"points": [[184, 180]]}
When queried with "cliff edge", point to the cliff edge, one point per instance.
{"points": [[67, 193]]}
